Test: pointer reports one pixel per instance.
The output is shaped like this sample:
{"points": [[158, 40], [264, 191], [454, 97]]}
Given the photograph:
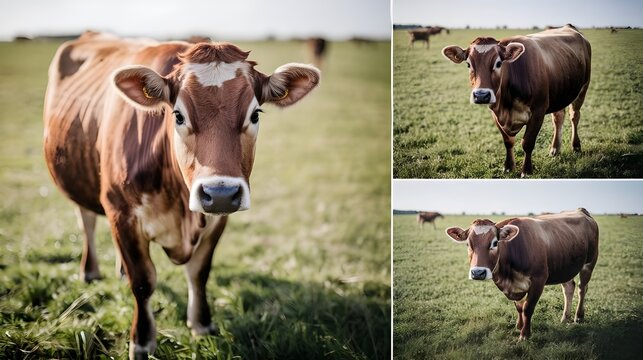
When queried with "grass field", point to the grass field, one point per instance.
{"points": [[440, 314], [304, 274], [439, 134]]}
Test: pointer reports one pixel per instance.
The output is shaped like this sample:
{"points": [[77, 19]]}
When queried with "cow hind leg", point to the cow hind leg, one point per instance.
{"points": [[519, 323], [574, 115], [557, 119], [197, 271], [89, 270], [585, 275], [568, 292]]}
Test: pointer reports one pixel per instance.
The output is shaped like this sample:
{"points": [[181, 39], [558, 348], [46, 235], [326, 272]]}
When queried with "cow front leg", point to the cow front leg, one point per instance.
{"points": [[197, 271], [509, 141], [557, 120], [529, 142], [528, 309], [89, 270], [141, 274], [568, 293], [519, 322]]}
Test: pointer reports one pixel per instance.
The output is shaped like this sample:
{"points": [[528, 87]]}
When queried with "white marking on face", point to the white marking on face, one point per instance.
{"points": [[483, 48], [248, 127], [215, 73], [195, 202], [482, 229], [488, 275], [164, 228]]}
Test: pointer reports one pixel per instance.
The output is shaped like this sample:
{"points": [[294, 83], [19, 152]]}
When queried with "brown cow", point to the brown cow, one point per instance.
{"points": [[428, 216], [522, 78], [160, 138], [423, 34], [522, 255]]}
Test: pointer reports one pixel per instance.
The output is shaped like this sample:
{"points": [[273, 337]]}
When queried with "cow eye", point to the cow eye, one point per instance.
{"points": [[468, 66], [178, 118], [254, 118], [494, 244], [498, 64]]}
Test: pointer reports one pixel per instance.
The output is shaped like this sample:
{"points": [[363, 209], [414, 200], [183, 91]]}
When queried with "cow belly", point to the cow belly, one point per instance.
{"points": [[73, 161]]}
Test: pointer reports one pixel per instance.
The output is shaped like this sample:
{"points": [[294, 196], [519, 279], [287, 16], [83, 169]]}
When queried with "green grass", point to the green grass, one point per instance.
{"points": [[304, 274], [440, 314], [437, 133]]}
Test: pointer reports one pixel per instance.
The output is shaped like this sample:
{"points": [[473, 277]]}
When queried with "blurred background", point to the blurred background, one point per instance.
{"points": [[304, 274]]}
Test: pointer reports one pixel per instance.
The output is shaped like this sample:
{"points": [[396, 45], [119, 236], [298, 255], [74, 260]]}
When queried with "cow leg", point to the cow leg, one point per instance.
{"points": [[574, 115], [509, 141], [557, 119], [197, 271], [528, 309], [519, 306], [141, 274], [89, 270], [529, 142], [585, 275], [568, 292]]}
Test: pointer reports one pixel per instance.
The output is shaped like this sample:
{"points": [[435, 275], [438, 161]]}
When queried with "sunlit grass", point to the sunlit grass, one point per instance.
{"points": [[439, 134]]}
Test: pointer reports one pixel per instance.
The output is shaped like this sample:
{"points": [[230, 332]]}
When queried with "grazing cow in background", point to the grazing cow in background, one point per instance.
{"points": [[318, 48], [423, 34], [428, 216], [522, 78], [522, 255], [160, 138]]}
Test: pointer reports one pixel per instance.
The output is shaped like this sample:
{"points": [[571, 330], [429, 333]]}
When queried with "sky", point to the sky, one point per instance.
{"points": [[227, 20], [518, 196], [519, 14]]}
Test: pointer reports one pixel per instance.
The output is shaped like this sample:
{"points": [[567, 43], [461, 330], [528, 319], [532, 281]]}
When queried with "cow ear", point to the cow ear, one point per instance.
{"points": [[508, 232], [454, 53], [142, 87], [512, 51], [457, 234], [289, 84]]}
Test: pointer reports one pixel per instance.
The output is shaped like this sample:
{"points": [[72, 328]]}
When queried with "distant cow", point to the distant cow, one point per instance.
{"points": [[522, 255], [160, 138], [318, 48], [423, 34], [522, 78], [428, 216]]}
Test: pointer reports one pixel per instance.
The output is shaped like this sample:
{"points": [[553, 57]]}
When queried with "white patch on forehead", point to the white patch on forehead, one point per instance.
{"points": [[215, 73], [482, 229], [483, 48]]}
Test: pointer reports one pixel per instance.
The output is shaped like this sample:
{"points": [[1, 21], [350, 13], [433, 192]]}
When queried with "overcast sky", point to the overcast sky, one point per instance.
{"points": [[518, 14], [518, 196], [229, 20]]}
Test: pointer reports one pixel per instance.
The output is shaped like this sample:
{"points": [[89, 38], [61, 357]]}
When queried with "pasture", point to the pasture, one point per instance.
{"points": [[437, 133], [440, 314], [305, 273]]}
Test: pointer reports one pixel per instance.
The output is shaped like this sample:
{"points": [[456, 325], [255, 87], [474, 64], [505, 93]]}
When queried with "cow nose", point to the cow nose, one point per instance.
{"points": [[220, 199], [481, 96], [478, 274]]}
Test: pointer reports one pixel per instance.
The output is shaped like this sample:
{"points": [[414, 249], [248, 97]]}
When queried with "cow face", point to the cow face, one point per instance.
{"points": [[212, 103], [485, 58], [482, 239]]}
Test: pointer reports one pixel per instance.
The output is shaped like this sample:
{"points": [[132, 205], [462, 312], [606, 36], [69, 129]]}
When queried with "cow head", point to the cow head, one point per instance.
{"points": [[484, 58], [212, 102], [482, 239]]}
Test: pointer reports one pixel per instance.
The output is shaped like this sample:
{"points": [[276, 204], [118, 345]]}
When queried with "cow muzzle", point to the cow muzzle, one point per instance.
{"points": [[479, 273], [483, 96], [219, 195]]}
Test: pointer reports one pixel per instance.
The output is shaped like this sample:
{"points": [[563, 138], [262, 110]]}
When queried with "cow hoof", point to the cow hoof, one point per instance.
{"points": [[140, 352], [88, 277], [565, 320], [523, 338], [553, 152], [200, 330], [524, 175], [579, 320]]}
